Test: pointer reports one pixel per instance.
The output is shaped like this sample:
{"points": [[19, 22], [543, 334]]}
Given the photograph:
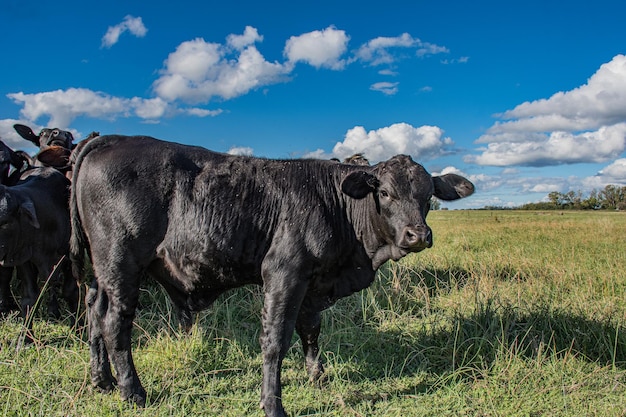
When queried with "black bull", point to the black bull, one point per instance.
{"points": [[200, 223]]}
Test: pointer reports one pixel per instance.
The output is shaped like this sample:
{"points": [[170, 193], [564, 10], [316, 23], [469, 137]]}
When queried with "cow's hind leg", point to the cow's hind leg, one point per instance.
{"points": [[97, 302], [122, 293], [308, 328]]}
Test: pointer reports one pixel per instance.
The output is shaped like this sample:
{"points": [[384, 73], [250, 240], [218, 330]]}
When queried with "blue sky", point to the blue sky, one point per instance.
{"points": [[522, 97]]}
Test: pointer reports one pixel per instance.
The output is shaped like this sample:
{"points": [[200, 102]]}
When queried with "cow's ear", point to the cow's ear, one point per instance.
{"points": [[452, 187], [27, 211], [359, 184], [27, 133]]}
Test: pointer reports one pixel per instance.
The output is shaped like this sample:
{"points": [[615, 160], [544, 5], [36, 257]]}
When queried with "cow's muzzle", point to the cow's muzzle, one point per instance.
{"points": [[416, 238]]}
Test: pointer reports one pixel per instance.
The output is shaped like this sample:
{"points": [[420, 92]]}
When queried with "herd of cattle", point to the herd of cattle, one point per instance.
{"points": [[201, 223]]}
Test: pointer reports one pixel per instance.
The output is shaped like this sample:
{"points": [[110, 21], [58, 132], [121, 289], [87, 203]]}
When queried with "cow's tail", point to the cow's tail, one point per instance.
{"points": [[79, 245]]}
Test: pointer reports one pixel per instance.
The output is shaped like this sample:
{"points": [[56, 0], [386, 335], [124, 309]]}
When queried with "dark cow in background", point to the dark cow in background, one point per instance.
{"points": [[55, 145], [12, 165], [35, 232], [200, 223]]}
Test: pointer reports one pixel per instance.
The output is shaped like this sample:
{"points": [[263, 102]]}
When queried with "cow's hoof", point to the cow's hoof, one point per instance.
{"points": [[104, 385], [7, 307], [137, 397], [315, 370], [275, 411]]}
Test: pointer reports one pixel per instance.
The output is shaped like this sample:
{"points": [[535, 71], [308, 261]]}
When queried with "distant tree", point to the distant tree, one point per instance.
{"points": [[611, 196], [435, 204], [556, 199], [592, 202]]}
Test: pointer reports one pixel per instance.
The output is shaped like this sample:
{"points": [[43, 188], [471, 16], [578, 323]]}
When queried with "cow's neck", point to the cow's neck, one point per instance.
{"points": [[364, 218]]}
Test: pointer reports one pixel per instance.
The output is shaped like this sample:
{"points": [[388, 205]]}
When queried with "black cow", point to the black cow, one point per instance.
{"points": [[55, 145], [200, 223], [12, 165], [35, 232]]}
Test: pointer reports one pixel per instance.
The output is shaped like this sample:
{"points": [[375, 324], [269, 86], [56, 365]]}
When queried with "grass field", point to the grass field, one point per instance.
{"points": [[509, 314]]}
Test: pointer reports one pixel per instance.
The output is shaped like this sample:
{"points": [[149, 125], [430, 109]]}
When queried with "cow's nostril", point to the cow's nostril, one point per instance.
{"points": [[411, 237]]}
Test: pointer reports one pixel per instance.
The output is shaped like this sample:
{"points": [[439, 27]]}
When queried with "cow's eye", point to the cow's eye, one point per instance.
{"points": [[384, 194]]}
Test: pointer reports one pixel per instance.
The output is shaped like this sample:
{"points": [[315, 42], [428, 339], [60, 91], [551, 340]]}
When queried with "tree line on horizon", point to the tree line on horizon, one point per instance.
{"points": [[611, 197]]}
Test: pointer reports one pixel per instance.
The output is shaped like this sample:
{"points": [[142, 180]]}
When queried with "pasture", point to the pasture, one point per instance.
{"points": [[510, 314]]}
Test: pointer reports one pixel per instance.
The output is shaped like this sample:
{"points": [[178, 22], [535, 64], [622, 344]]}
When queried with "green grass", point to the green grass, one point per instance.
{"points": [[509, 314]]}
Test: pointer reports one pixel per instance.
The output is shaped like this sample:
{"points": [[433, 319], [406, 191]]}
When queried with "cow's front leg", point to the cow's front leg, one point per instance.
{"points": [[280, 311], [27, 275], [308, 328], [70, 291]]}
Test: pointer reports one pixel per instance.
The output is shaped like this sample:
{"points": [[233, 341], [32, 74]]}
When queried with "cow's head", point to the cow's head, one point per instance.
{"points": [[55, 145], [17, 217], [402, 190], [47, 137]]}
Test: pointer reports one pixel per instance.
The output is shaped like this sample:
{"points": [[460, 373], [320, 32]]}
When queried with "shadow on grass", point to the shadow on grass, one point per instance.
{"points": [[442, 344]]}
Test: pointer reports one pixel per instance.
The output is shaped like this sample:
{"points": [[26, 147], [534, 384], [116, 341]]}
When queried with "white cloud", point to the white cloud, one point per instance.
{"points": [[599, 102], [386, 88], [63, 106], [241, 150], [614, 173], [239, 42], [153, 108], [318, 48], [131, 24], [461, 60], [198, 70], [377, 51], [586, 124], [617, 170], [557, 148], [431, 49], [195, 111], [422, 143]]}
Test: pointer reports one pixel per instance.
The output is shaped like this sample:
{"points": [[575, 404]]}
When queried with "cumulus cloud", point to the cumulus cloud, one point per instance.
{"points": [[239, 42], [378, 51], [198, 70], [586, 124], [320, 48], [614, 173], [422, 143], [241, 150], [556, 148], [63, 106], [616, 170], [131, 24], [386, 88]]}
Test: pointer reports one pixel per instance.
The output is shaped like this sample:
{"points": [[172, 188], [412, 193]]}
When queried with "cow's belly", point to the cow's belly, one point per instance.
{"points": [[202, 275]]}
